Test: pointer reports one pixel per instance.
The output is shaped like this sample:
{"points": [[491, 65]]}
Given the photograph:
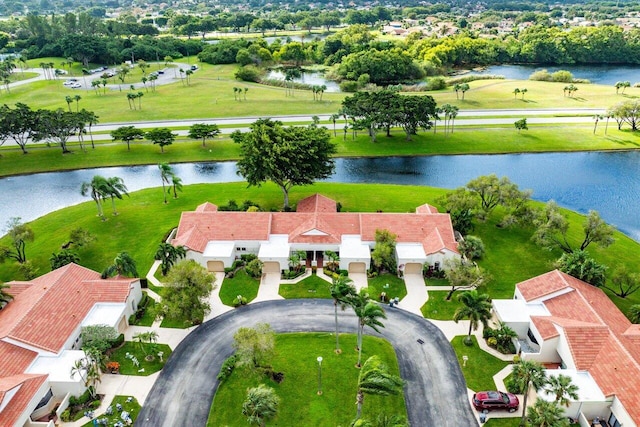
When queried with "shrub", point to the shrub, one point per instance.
{"points": [[118, 341], [349, 86], [239, 300], [227, 368], [512, 387], [541, 75], [66, 414], [248, 73], [436, 83], [492, 342], [254, 268], [247, 258], [472, 247], [473, 77], [95, 404], [562, 76]]}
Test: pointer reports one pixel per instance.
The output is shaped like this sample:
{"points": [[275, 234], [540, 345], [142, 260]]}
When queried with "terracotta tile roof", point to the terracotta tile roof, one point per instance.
{"points": [[601, 339], [426, 209], [545, 327], [46, 314], [15, 359], [316, 203], [29, 385], [207, 207], [316, 222]]}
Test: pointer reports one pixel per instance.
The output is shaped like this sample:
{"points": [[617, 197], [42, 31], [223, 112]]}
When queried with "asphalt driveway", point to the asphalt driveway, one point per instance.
{"points": [[435, 390]]}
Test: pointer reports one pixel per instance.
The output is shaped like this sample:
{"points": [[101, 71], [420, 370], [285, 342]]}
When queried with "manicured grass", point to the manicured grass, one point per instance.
{"points": [[126, 365], [241, 284], [18, 75], [144, 220], [149, 315], [437, 282], [438, 308], [503, 422], [396, 286], [132, 407], [481, 366], [300, 405], [311, 287], [176, 323], [462, 141]]}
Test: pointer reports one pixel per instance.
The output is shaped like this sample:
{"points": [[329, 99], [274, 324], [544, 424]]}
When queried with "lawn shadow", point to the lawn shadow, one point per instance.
{"points": [[529, 101], [577, 98], [625, 95]]}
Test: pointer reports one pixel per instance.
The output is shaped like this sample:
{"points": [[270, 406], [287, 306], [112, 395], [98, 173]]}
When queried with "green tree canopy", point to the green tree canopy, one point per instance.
{"points": [[127, 134], [161, 136], [260, 405], [287, 156], [187, 288]]}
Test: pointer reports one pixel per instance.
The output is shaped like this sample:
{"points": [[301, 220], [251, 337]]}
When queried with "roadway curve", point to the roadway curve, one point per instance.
{"points": [[435, 391]]}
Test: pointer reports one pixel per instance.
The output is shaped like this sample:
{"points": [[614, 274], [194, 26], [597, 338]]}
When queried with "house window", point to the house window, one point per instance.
{"points": [[613, 421], [532, 337]]}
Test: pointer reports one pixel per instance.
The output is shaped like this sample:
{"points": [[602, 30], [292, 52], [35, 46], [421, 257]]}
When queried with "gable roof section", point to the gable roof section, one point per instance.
{"points": [[28, 385], [15, 359], [317, 203], [47, 313], [198, 227], [207, 207], [545, 327], [426, 209], [542, 285]]}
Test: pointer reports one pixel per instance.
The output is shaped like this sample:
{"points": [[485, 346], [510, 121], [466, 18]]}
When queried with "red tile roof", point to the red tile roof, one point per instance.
{"points": [[45, 314], [601, 339], [15, 360], [545, 327], [29, 385], [318, 214]]}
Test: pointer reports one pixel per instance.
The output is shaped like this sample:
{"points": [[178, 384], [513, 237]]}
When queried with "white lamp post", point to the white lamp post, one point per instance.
{"points": [[319, 359]]}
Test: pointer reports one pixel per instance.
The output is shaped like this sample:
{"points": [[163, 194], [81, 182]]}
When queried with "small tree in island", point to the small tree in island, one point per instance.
{"points": [[287, 156]]}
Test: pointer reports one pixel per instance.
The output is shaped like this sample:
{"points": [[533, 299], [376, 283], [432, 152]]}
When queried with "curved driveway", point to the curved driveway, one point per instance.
{"points": [[435, 390]]}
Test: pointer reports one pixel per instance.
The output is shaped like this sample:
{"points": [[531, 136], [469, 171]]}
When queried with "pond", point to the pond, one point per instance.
{"points": [[606, 182], [308, 77], [600, 74]]}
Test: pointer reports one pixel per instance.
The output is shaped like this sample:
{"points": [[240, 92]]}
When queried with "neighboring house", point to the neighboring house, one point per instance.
{"points": [[40, 336], [564, 322], [215, 239]]}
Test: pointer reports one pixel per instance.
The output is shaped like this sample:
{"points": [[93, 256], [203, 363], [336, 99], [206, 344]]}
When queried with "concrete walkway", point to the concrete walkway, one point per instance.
{"points": [[217, 307], [359, 280], [269, 287], [416, 294]]}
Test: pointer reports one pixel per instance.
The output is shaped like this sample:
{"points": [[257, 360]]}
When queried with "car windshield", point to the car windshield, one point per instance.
{"points": [[505, 398]]}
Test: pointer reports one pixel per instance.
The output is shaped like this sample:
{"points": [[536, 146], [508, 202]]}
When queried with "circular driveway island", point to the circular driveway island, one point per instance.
{"points": [[435, 390]]}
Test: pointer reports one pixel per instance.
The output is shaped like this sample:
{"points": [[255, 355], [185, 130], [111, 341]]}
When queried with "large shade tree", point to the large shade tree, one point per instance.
{"points": [[19, 233], [127, 134], [287, 156], [204, 131], [187, 288]]}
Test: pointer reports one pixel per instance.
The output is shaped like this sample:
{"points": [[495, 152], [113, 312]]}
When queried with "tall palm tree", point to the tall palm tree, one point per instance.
{"points": [[476, 307], [528, 374], [562, 388], [376, 379], [546, 414], [169, 255], [77, 98], [116, 188], [341, 289], [165, 173], [98, 189], [5, 297], [369, 314], [123, 265], [69, 100], [260, 405]]}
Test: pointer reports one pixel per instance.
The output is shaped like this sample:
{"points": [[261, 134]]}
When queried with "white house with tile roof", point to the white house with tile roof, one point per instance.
{"points": [[40, 336], [573, 326], [215, 238]]}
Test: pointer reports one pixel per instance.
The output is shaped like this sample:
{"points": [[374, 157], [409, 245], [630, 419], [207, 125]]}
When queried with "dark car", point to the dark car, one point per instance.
{"points": [[488, 400]]}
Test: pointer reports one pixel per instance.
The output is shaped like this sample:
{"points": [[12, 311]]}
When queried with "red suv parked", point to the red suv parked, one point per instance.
{"points": [[488, 400]]}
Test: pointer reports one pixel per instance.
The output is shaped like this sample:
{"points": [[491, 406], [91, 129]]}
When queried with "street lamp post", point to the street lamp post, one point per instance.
{"points": [[319, 359]]}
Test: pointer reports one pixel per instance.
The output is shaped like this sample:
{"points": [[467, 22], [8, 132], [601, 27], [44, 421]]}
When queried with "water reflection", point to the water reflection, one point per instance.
{"points": [[606, 182]]}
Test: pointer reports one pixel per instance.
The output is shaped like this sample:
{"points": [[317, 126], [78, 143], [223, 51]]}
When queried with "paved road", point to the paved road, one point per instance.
{"points": [[435, 392]]}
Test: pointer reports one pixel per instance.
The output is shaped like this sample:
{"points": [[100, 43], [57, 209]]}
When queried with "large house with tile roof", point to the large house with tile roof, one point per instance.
{"points": [[216, 238], [40, 337], [573, 326]]}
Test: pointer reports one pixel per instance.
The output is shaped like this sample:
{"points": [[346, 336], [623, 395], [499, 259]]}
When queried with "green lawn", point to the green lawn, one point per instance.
{"points": [[511, 256], [481, 366], [311, 287], [438, 308], [126, 365], [300, 405], [132, 407], [396, 287], [503, 422], [241, 284]]}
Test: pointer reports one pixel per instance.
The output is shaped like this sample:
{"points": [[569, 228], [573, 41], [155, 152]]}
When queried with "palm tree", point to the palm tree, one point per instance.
{"points": [[546, 414], [150, 337], [516, 91], [562, 388], [77, 98], [165, 173], [522, 92], [376, 379], [176, 184], [476, 307], [98, 188], [341, 289], [69, 101], [456, 87], [123, 265], [5, 297], [527, 374], [116, 188], [634, 313], [368, 313], [260, 405], [168, 255], [334, 117]]}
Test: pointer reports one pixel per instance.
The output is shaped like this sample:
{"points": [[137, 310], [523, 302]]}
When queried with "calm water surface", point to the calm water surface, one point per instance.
{"points": [[600, 74], [606, 182]]}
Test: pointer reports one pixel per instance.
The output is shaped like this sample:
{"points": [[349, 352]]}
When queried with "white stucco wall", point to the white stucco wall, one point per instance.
{"points": [[42, 391], [621, 414]]}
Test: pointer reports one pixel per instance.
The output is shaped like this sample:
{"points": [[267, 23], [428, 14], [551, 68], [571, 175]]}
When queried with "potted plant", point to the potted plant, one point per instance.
{"points": [[113, 367]]}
